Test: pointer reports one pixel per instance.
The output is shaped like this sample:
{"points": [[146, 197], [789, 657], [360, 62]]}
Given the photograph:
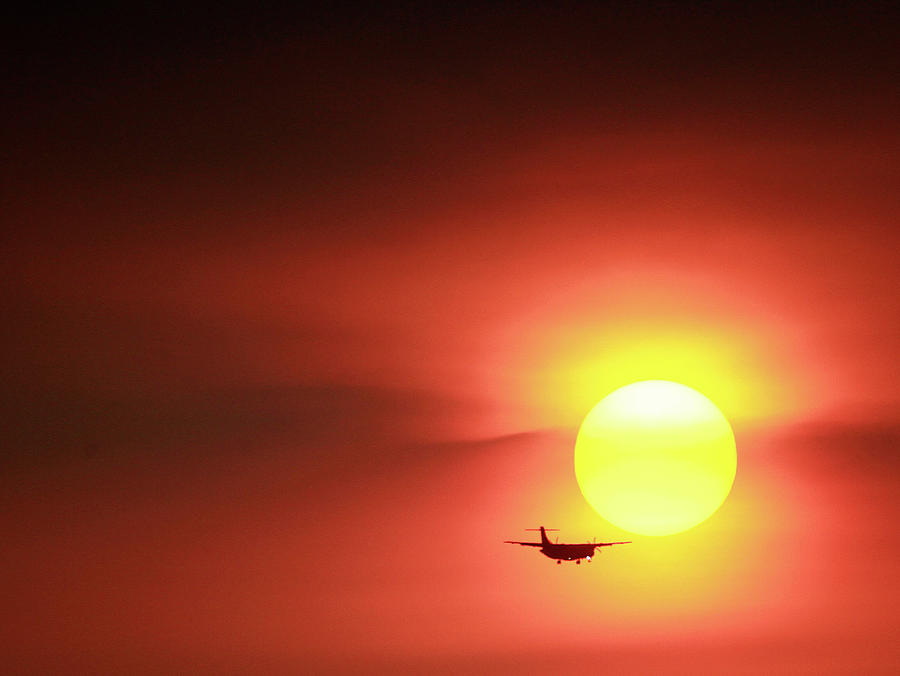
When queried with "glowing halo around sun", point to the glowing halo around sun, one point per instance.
{"points": [[655, 457]]}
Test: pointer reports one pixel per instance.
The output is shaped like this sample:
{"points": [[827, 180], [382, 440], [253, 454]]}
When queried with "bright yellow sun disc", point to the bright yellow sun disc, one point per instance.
{"points": [[655, 457]]}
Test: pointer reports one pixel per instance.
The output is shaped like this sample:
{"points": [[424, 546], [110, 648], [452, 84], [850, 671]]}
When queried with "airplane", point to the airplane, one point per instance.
{"points": [[564, 552]]}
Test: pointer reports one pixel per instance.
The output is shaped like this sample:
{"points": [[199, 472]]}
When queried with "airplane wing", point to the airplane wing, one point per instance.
{"points": [[524, 544], [609, 544]]}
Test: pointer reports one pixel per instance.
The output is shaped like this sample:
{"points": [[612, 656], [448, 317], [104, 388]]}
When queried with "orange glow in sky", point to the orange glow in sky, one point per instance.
{"points": [[564, 361], [303, 315]]}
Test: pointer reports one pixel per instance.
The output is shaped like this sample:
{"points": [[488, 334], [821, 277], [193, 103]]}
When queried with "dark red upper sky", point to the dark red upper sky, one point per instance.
{"points": [[303, 310]]}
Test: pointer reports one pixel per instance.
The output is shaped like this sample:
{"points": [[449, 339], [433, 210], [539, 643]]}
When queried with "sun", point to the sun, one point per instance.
{"points": [[655, 457]]}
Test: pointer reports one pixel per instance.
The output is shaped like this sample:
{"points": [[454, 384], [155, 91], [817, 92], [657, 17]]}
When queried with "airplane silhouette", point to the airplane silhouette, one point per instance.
{"points": [[564, 552]]}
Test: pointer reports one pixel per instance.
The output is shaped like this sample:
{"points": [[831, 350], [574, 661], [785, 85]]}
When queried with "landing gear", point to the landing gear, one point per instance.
{"points": [[558, 562], [577, 562]]}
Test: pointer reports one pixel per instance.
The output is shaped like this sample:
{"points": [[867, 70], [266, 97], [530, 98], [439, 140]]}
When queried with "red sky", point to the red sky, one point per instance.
{"points": [[303, 313]]}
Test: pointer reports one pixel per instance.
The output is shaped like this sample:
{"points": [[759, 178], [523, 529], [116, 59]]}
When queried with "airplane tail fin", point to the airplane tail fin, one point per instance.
{"points": [[544, 539]]}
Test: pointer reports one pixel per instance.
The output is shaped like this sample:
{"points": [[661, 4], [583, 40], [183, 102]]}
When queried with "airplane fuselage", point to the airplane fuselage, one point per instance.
{"points": [[567, 552]]}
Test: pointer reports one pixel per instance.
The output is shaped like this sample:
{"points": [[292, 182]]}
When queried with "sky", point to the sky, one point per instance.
{"points": [[303, 310]]}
